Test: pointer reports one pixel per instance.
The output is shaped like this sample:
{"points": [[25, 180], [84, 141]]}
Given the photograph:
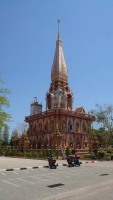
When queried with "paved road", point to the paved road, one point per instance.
{"points": [[7, 162], [79, 183]]}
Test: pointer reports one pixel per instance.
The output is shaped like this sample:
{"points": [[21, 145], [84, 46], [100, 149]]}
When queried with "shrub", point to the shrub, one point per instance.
{"points": [[87, 155], [67, 151], [20, 154], [7, 153], [13, 152], [27, 154], [95, 151], [30, 155], [57, 153], [73, 151], [40, 154], [101, 154], [47, 153], [35, 155], [51, 152], [109, 151], [24, 154], [107, 157], [44, 153]]}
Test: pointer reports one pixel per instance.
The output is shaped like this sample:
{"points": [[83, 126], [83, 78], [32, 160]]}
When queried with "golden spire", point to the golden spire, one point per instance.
{"points": [[59, 30], [59, 68]]}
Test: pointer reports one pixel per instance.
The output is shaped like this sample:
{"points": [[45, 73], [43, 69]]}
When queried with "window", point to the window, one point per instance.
{"points": [[77, 127], [71, 127], [45, 127]]}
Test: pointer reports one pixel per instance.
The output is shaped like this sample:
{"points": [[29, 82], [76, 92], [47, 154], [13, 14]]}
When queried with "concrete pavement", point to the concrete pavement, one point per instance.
{"points": [[90, 181], [11, 164]]}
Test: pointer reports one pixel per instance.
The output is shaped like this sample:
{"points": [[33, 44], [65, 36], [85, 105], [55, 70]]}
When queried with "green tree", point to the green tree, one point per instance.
{"points": [[6, 135], [109, 151], [12, 136], [104, 118], [67, 151], [4, 103]]}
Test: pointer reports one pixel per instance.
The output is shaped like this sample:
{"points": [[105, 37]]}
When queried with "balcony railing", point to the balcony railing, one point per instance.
{"points": [[60, 111]]}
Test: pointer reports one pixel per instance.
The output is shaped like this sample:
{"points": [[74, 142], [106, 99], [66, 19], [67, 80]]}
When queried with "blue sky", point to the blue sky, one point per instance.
{"points": [[28, 33]]}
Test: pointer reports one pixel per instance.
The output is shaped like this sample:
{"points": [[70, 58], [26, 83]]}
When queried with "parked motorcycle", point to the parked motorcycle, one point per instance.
{"points": [[73, 160], [77, 162], [52, 163]]}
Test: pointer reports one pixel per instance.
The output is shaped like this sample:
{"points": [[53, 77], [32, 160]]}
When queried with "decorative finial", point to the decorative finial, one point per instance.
{"points": [[58, 29]]}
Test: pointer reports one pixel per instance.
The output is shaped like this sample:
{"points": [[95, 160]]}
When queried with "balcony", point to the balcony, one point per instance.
{"points": [[60, 111]]}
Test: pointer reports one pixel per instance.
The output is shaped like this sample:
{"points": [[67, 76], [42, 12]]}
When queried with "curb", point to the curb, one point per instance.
{"points": [[46, 166], [92, 161]]}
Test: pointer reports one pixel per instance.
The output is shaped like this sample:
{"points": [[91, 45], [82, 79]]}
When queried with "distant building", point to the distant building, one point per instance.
{"points": [[60, 126]]}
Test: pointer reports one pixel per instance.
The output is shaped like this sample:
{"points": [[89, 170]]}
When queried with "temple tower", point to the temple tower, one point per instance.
{"points": [[59, 95], [60, 126]]}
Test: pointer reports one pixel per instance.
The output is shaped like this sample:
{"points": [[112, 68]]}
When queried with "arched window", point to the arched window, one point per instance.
{"points": [[46, 126], [70, 127], [30, 128], [84, 129], [40, 127]]}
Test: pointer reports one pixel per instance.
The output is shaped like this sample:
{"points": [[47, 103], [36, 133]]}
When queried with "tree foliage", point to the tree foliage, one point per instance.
{"points": [[21, 127], [104, 119], [4, 103], [109, 151], [68, 151], [5, 135], [104, 116], [12, 136]]}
